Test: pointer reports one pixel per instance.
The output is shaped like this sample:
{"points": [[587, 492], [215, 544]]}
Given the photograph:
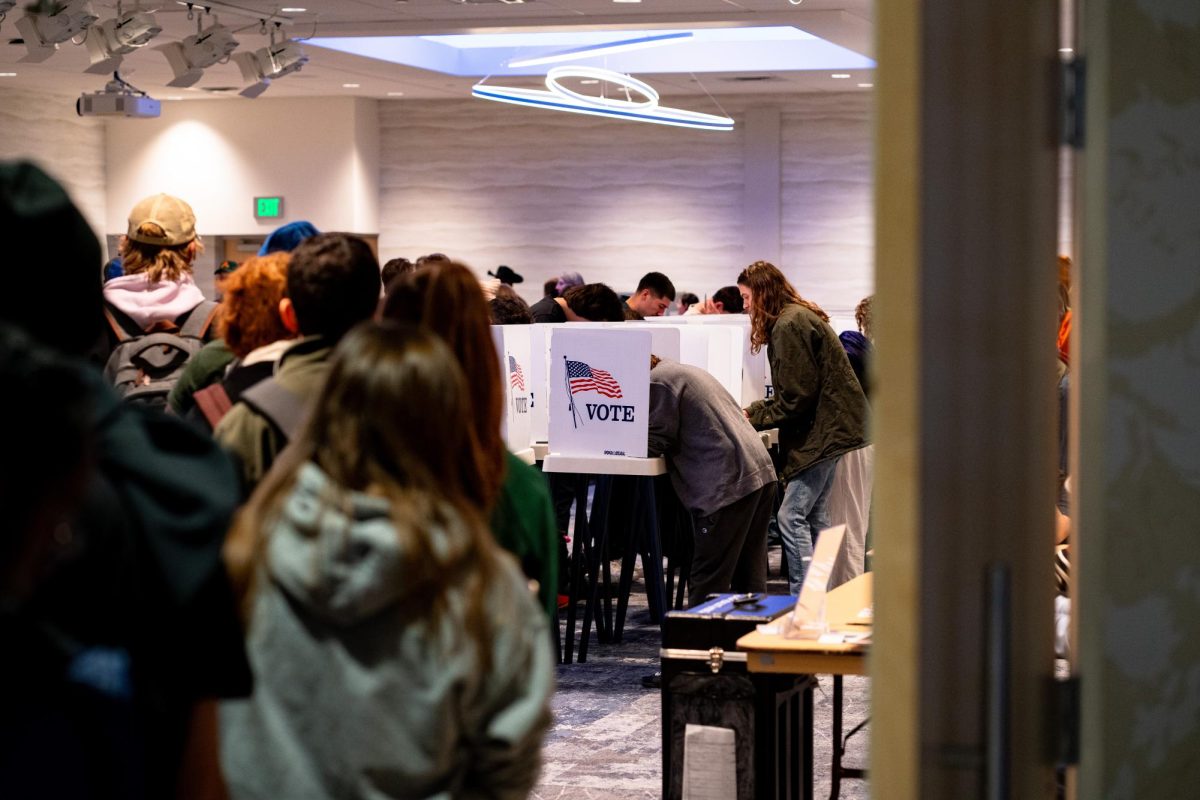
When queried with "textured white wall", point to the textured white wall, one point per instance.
{"points": [[221, 154], [45, 129], [545, 192]]}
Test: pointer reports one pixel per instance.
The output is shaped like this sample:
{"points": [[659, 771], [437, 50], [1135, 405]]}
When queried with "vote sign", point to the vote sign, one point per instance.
{"points": [[599, 391]]}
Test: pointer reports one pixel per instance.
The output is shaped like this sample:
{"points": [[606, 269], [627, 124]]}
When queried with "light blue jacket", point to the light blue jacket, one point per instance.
{"points": [[352, 698]]}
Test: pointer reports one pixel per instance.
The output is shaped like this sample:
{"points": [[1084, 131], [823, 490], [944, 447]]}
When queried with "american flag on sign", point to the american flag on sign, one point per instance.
{"points": [[516, 378], [583, 378]]}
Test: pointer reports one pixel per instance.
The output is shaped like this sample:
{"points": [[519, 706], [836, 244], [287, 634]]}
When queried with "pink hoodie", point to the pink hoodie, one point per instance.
{"points": [[147, 303]]}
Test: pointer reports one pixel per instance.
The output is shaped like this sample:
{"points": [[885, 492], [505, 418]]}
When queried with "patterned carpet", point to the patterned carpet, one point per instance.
{"points": [[606, 740]]}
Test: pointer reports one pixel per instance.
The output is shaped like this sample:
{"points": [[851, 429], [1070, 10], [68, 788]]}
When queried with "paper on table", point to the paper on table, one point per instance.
{"points": [[808, 618], [709, 763]]}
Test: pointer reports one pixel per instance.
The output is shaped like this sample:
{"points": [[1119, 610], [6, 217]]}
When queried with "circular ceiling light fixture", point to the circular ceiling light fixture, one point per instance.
{"points": [[556, 97]]}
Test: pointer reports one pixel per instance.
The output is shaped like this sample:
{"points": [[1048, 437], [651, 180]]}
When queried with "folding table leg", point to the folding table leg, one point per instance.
{"points": [[652, 564], [835, 778]]}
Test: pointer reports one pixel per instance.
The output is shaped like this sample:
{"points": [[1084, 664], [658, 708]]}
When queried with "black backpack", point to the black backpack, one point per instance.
{"points": [[145, 365]]}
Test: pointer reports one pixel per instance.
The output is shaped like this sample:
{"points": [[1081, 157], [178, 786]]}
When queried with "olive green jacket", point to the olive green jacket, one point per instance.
{"points": [[523, 524], [250, 436], [818, 405]]}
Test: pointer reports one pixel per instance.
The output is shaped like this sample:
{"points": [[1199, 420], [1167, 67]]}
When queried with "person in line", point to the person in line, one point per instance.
{"points": [[722, 474], [508, 308], [652, 298], [287, 237], [445, 299], [209, 365], [592, 302], [398, 651], [332, 284], [550, 287], [393, 269], [818, 405], [157, 253], [118, 619], [252, 329]]}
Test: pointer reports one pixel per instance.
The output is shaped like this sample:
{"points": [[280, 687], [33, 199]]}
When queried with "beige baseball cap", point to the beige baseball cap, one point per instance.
{"points": [[171, 214]]}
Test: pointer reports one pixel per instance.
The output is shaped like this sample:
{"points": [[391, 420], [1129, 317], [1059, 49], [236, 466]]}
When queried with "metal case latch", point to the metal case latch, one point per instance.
{"points": [[716, 659]]}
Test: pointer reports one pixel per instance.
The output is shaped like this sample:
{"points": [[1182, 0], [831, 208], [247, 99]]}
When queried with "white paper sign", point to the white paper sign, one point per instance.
{"points": [[808, 618], [599, 391], [709, 763], [512, 346]]}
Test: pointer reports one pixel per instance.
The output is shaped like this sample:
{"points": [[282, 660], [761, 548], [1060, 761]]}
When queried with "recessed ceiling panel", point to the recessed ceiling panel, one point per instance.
{"points": [[751, 49]]}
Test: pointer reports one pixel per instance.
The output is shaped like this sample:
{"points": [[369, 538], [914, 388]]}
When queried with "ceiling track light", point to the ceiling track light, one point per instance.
{"points": [[113, 38], [43, 33], [206, 47], [269, 63]]}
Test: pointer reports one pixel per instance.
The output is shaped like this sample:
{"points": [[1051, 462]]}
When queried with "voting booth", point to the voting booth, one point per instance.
{"points": [[513, 349]]}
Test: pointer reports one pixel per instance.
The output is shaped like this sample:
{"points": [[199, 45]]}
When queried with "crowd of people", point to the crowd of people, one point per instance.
{"points": [[277, 546]]}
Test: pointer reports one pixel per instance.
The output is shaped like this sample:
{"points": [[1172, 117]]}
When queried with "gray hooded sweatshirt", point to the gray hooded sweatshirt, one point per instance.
{"points": [[352, 698]]}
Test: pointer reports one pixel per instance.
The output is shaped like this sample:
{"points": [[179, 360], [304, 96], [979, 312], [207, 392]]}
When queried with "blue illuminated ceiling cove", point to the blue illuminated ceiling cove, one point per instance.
{"points": [[764, 49]]}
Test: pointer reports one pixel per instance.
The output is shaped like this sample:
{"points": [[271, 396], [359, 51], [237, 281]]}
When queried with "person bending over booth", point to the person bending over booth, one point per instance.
{"points": [[652, 298], [818, 405], [721, 472]]}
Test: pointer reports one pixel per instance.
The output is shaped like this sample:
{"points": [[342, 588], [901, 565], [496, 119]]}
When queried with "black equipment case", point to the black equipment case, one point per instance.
{"points": [[705, 682]]}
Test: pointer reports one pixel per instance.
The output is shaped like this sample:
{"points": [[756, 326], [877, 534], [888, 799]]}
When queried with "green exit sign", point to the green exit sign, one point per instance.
{"points": [[268, 207]]}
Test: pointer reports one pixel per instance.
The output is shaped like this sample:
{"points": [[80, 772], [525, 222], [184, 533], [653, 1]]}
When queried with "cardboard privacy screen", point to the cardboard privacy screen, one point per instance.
{"points": [[599, 392]]}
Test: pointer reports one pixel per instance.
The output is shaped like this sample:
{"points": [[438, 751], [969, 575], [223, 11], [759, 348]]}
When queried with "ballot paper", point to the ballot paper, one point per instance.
{"points": [[709, 763], [808, 618]]}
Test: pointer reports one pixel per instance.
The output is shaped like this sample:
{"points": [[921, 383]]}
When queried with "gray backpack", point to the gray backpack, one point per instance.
{"points": [[145, 365]]}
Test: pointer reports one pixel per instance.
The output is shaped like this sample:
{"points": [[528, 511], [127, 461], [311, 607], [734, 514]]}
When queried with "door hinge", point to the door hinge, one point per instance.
{"points": [[1073, 84], [1066, 720]]}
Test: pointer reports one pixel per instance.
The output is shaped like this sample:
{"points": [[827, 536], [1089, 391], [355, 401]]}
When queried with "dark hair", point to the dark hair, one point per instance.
{"points": [[595, 302], [730, 299], [509, 309], [689, 299], [370, 432], [550, 288], [658, 284], [446, 299], [333, 283], [432, 258], [862, 316], [394, 269], [770, 291]]}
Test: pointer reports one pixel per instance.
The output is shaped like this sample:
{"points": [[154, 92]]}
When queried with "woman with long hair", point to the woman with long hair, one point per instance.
{"points": [[397, 650], [445, 298], [818, 404]]}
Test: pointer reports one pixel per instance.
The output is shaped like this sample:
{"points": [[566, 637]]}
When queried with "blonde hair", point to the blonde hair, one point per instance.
{"points": [[158, 262]]}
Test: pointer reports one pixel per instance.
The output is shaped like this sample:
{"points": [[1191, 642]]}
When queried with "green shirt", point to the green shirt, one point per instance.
{"points": [[523, 524]]}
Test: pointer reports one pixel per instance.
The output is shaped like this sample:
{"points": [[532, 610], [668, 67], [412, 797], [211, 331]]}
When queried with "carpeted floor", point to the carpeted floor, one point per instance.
{"points": [[606, 740]]}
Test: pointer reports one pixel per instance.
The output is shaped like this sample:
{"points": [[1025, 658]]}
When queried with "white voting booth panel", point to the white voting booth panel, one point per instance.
{"points": [[745, 377], [513, 349], [599, 392]]}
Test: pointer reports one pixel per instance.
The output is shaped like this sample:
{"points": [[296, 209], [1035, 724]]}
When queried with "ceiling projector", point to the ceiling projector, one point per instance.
{"points": [[119, 36], [44, 32], [118, 99], [203, 49], [264, 65]]}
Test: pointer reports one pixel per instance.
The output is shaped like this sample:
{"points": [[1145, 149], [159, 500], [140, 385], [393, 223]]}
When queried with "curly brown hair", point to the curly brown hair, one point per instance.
{"points": [[862, 316], [770, 293], [249, 316]]}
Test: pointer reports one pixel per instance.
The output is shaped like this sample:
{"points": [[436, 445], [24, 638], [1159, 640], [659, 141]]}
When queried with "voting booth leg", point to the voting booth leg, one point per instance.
{"points": [[575, 568], [597, 549], [652, 563]]}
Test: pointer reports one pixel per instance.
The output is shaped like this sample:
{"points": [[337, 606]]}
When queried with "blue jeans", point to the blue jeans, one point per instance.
{"points": [[804, 513]]}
